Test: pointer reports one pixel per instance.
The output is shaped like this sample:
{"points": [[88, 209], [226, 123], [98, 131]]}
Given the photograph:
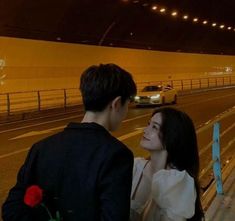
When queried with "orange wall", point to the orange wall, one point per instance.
{"points": [[33, 65]]}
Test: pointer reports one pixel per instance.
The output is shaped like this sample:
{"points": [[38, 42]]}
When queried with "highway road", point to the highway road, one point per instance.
{"points": [[17, 138]]}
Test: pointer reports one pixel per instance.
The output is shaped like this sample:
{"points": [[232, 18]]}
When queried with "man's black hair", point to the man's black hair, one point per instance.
{"points": [[101, 84]]}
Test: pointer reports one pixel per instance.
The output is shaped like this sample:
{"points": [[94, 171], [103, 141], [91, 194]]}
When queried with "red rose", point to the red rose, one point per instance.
{"points": [[33, 196]]}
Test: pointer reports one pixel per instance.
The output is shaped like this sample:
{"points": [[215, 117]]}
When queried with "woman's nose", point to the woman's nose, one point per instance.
{"points": [[146, 130]]}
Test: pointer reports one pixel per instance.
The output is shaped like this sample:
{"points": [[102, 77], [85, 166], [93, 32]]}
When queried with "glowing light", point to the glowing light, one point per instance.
{"points": [[154, 7], [162, 9], [155, 96]]}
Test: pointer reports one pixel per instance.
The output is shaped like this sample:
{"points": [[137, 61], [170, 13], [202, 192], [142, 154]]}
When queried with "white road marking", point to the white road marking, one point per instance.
{"points": [[135, 118], [121, 138], [35, 133], [43, 123], [13, 153], [206, 100], [131, 134], [140, 128]]}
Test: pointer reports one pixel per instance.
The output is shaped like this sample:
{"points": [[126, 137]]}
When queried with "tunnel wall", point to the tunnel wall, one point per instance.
{"points": [[27, 65]]}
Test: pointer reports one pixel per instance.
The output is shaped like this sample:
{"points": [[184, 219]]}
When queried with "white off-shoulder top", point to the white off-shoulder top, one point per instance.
{"points": [[172, 193]]}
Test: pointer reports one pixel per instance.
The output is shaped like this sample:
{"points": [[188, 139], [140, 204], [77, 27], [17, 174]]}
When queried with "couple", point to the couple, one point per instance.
{"points": [[86, 174]]}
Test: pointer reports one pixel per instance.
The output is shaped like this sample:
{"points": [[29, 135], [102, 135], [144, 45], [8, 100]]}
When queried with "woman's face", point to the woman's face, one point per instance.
{"points": [[151, 138]]}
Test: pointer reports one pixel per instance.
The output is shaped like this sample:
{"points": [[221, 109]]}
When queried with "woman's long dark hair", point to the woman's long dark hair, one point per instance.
{"points": [[179, 139]]}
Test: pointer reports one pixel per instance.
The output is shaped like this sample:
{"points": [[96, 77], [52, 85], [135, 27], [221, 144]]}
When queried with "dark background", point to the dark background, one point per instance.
{"points": [[123, 23]]}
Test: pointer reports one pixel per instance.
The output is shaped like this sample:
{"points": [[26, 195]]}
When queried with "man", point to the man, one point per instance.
{"points": [[84, 171]]}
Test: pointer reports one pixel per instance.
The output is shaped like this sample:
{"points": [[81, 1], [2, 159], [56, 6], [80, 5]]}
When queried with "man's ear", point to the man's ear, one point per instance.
{"points": [[116, 103]]}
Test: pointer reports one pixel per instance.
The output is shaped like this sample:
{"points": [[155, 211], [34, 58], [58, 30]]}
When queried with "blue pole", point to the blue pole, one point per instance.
{"points": [[216, 158]]}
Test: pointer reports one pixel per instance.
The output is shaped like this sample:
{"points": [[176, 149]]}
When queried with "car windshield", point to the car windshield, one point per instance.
{"points": [[152, 88]]}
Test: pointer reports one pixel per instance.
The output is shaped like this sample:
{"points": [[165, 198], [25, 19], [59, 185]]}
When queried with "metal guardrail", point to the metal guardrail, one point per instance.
{"points": [[190, 84], [215, 162], [36, 101]]}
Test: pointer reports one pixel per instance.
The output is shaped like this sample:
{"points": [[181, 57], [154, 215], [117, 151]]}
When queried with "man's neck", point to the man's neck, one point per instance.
{"points": [[96, 117]]}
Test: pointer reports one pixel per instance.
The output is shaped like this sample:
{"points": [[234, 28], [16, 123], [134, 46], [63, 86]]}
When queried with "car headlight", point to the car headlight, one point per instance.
{"points": [[155, 96], [137, 98]]}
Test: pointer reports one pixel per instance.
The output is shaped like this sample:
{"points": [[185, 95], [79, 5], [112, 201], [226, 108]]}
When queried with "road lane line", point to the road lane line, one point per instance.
{"points": [[13, 153], [53, 121], [40, 132], [135, 118], [43, 117], [121, 138], [132, 134], [31, 134], [206, 100], [36, 133], [39, 124]]}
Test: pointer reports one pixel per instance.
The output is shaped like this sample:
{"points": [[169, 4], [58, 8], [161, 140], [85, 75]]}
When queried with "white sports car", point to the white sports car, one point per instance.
{"points": [[156, 94]]}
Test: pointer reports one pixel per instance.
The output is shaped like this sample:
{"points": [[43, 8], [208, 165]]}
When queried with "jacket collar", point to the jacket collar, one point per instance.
{"points": [[92, 125]]}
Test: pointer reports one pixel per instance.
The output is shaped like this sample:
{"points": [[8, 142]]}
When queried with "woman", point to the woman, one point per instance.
{"points": [[165, 187]]}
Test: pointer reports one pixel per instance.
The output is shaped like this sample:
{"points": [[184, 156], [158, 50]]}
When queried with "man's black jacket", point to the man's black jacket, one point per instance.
{"points": [[85, 174]]}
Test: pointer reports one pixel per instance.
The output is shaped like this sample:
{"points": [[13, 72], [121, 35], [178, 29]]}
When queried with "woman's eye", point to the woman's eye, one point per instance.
{"points": [[154, 127]]}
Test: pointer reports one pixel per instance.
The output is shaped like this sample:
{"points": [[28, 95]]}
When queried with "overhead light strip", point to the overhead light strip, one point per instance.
{"points": [[184, 16]]}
